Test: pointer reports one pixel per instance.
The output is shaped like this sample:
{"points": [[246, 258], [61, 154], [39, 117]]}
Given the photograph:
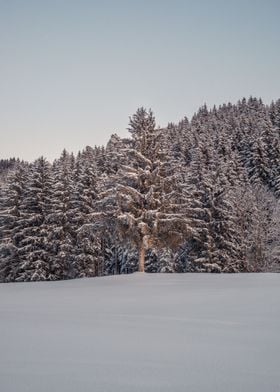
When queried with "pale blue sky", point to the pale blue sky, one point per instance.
{"points": [[71, 72]]}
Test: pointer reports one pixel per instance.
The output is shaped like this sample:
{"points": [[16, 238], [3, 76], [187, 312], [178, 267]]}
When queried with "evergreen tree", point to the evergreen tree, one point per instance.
{"points": [[88, 258], [147, 210], [60, 235], [11, 200], [31, 237]]}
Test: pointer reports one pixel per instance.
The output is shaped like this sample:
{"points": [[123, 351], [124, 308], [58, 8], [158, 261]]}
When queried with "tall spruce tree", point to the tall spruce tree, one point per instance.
{"points": [[11, 204], [60, 234], [31, 237], [148, 213]]}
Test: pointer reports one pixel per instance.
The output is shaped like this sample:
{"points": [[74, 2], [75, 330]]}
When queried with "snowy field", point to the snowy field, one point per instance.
{"points": [[157, 333]]}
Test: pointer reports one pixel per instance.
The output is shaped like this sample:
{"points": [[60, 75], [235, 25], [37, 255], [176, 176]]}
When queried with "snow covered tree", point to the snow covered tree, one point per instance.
{"points": [[31, 238], [211, 206], [88, 258], [274, 112], [262, 206], [148, 213], [272, 254], [10, 213], [60, 234]]}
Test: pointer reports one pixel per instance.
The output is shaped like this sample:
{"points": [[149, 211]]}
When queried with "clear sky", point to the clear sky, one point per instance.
{"points": [[71, 72]]}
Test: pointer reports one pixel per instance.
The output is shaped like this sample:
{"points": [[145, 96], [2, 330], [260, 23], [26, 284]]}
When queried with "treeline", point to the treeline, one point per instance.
{"points": [[198, 196]]}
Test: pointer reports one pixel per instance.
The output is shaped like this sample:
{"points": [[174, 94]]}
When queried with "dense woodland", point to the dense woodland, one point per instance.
{"points": [[197, 196]]}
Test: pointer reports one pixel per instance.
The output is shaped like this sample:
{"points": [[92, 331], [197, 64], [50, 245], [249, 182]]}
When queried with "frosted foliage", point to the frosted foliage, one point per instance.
{"points": [[198, 196], [148, 213]]}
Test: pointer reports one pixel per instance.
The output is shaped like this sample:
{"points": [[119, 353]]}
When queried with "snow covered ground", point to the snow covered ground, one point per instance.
{"points": [[161, 332]]}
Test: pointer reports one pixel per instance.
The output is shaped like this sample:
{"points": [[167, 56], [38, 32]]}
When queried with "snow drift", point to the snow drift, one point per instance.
{"points": [[160, 332]]}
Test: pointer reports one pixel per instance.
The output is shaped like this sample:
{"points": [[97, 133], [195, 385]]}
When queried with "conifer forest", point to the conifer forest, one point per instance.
{"points": [[198, 196]]}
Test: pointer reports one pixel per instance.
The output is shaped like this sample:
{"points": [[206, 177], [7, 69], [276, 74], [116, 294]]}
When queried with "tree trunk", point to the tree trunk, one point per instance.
{"points": [[142, 258], [116, 262]]}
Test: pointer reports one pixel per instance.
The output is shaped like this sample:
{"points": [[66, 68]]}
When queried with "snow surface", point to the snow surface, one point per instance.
{"points": [[142, 332]]}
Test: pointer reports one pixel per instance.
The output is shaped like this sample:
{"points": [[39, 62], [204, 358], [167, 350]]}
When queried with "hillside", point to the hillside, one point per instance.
{"points": [[142, 332], [198, 196]]}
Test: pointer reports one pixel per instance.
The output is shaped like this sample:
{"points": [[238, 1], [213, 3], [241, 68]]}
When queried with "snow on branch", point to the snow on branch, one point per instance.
{"points": [[140, 157]]}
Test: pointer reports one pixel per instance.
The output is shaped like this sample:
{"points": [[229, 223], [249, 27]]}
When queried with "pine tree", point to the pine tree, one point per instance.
{"points": [[147, 210], [10, 213], [272, 253], [31, 238], [60, 234], [88, 258], [211, 206]]}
